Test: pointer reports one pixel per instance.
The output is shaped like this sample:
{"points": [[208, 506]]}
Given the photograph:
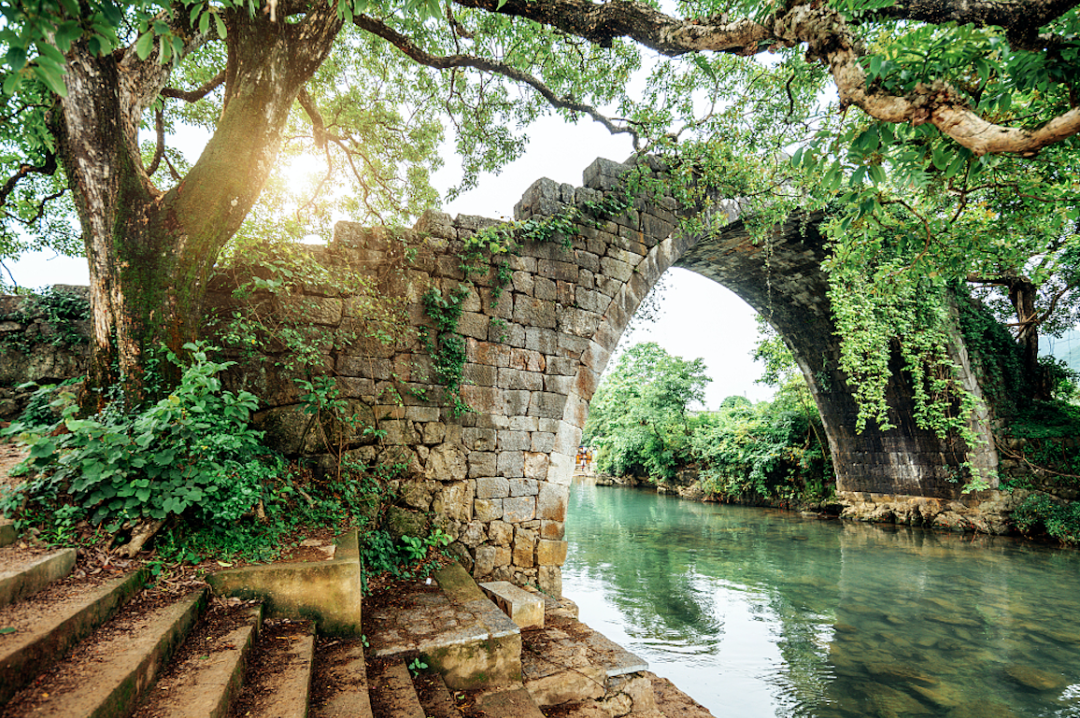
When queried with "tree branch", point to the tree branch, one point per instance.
{"points": [[195, 95], [448, 62], [49, 168], [828, 38], [159, 151], [318, 126], [1021, 20]]}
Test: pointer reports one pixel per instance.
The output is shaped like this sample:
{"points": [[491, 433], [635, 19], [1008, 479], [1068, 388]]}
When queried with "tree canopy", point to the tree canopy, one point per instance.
{"points": [[947, 156]]}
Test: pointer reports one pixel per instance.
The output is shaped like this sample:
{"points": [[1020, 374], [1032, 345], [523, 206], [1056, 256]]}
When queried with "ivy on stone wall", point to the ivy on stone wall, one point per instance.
{"points": [[56, 312]]}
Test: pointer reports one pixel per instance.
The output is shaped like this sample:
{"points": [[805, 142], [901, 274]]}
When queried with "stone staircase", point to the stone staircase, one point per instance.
{"points": [[282, 641]]}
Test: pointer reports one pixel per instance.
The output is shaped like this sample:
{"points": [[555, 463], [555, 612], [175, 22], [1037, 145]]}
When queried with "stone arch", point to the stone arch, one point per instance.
{"points": [[499, 477]]}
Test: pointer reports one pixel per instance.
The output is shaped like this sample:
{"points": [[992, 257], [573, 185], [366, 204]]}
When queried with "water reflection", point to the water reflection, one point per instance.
{"points": [[759, 613]]}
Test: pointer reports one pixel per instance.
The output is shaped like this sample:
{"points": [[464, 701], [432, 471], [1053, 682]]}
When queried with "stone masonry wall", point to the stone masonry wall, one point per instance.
{"points": [[497, 479]]}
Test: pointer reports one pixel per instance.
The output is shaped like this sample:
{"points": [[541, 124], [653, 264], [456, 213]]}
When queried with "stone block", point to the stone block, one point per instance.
{"points": [[455, 501], [533, 312], [488, 509], [481, 375], [524, 423], [551, 553], [615, 269], [521, 508], [511, 464], [551, 502], [514, 440], [485, 561], [328, 591], [524, 608], [528, 359], [524, 554], [557, 384], [501, 533], [536, 465], [479, 439], [552, 530], [544, 289], [543, 442], [482, 463], [550, 580], [546, 405], [524, 487], [543, 341], [488, 353], [503, 556], [495, 487], [518, 379], [447, 462]]}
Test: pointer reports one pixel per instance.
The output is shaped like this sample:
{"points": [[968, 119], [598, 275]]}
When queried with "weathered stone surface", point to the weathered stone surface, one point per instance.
{"points": [[551, 502], [501, 533], [405, 522], [551, 553], [488, 509], [519, 509], [524, 608], [483, 463], [455, 501], [326, 590], [495, 487], [447, 462], [524, 487]]}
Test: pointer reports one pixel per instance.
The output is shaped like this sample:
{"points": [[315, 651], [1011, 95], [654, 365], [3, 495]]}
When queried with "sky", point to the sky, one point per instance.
{"points": [[699, 318]]}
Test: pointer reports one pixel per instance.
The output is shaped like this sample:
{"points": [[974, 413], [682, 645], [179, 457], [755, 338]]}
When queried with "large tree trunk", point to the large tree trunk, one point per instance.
{"points": [[151, 253]]}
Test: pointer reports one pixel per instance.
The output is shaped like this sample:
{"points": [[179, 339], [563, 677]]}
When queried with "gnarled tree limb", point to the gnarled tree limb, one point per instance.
{"points": [[447, 62], [828, 38]]}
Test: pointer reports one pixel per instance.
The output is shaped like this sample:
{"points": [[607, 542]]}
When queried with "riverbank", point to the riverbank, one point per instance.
{"points": [[986, 512]]}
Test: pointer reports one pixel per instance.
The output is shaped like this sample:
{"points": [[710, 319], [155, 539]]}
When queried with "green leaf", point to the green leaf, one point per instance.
{"points": [[15, 58], [204, 23], [220, 24], [144, 45]]}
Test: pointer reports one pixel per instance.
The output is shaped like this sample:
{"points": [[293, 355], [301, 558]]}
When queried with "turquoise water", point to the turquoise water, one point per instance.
{"points": [[759, 613]]}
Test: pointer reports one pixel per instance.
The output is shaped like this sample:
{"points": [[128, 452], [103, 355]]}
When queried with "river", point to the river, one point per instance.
{"points": [[760, 613]]}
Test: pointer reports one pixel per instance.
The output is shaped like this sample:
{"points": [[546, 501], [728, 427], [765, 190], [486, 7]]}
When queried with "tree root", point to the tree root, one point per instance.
{"points": [[143, 532]]}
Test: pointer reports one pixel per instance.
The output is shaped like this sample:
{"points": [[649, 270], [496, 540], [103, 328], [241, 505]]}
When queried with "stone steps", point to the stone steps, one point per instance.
{"points": [[23, 574], [47, 626], [109, 674], [202, 657]]}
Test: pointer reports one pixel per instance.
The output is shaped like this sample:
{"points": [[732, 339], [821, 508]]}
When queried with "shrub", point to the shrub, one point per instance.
{"points": [[193, 451]]}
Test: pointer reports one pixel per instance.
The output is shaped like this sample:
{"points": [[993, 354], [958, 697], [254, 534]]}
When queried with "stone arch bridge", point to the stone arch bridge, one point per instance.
{"points": [[499, 476]]}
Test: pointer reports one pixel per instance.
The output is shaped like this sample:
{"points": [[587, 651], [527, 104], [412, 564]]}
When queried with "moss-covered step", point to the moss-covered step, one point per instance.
{"points": [[455, 629], [327, 592], [38, 633], [22, 575], [111, 672]]}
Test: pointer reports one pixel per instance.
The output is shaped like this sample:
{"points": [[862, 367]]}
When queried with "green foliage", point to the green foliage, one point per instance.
{"points": [[417, 666], [1058, 519], [995, 356], [191, 452], [61, 311], [447, 347], [638, 417], [769, 450], [416, 548]]}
